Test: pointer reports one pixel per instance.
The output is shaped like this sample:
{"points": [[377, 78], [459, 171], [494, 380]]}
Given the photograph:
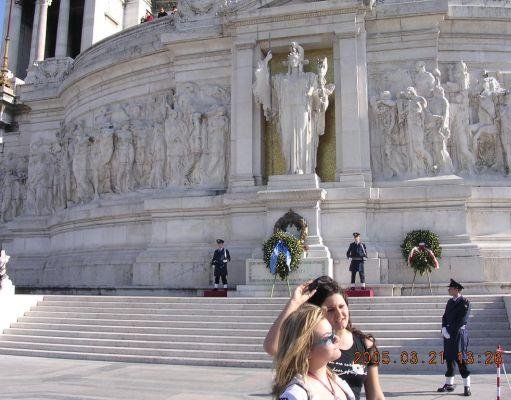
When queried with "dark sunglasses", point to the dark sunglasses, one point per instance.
{"points": [[326, 341], [322, 280]]}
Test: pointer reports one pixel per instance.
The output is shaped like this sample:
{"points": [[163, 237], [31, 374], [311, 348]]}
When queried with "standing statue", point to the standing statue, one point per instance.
{"points": [[294, 96]]}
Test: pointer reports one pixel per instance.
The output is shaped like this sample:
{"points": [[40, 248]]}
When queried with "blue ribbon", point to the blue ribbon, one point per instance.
{"points": [[280, 248]]}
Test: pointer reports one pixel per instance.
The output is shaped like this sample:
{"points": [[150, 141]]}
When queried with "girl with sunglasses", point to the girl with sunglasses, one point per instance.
{"points": [[307, 344], [327, 294]]}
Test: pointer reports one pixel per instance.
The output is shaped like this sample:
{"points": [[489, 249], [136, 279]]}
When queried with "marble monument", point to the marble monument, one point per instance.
{"points": [[121, 164]]}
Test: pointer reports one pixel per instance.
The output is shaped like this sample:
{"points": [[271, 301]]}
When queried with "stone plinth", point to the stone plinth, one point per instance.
{"points": [[259, 278]]}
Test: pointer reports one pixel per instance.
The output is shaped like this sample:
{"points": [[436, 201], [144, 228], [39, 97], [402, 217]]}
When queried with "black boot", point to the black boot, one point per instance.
{"points": [[446, 388], [467, 391]]}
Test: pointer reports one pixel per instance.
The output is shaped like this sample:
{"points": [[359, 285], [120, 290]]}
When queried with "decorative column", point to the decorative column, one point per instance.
{"points": [[14, 33], [33, 41], [351, 122], [88, 24], [41, 29], [62, 29], [241, 174]]}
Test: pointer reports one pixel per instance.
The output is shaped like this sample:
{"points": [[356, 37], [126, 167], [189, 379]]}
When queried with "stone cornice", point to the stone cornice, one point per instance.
{"points": [[292, 195], [290, 17]]}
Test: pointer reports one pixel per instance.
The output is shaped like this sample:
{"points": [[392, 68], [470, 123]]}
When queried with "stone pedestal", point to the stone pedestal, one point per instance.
{"points": [[259, 278], [302, 194]]}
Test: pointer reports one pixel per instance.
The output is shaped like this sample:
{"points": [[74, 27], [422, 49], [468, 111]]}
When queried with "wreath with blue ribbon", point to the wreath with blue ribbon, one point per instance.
{"points": [[282, 254]]}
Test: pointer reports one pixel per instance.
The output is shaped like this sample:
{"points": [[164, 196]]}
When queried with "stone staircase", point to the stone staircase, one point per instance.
{"points": [[230, 331]]}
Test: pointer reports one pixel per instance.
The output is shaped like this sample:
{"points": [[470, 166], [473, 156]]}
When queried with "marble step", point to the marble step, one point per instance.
{"points": [[143, 329], [164, 300], [392, 359], [182, 344], [212, 352], [230, 331], [434, 333], [189, 336], [504, 341], [201, 335], [366, 326], [237, 318], [219, 362], [152, 323], [253, 313], [376, 304]]}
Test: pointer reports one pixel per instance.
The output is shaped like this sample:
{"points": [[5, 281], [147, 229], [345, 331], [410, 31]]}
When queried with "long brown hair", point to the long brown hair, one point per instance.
{"points": [[325, 287], [295, 342]]}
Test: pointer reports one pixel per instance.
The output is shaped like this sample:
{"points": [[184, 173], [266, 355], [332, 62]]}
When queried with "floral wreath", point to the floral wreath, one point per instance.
{"points": [[292, 218], [282, 254], [421, 248]]}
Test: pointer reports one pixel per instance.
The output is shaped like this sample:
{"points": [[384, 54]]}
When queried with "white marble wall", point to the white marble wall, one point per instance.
{"points": [[147, 148]]}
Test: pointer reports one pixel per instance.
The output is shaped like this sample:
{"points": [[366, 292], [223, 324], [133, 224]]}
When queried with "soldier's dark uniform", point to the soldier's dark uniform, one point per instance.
{"points": [[358, 253], [454, 321], [220, 259]]}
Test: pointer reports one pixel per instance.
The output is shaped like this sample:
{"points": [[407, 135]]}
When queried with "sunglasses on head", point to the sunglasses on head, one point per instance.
{"points": [[322, 280], [326, 341]]}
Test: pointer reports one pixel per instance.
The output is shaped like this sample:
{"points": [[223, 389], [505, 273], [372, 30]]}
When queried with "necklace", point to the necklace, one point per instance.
{"points": [[330, 389]]}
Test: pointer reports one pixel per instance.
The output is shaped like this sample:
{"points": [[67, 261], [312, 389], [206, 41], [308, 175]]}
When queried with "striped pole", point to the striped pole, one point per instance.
{"points": [[498, 359]]}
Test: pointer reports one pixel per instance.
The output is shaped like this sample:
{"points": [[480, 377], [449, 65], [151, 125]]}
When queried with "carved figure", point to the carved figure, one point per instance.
{"points": [[123, 158], [385, 109], [411, 112], [459, 121], [294, 93], [9, 178], [218, 125], [437, 128], [262, 86], [485, 142], [177, 149], [504, 111], [101, 151], [81, 167], [424, 80], [40, 173], [158, 154], [319, 105], [4, 259]]}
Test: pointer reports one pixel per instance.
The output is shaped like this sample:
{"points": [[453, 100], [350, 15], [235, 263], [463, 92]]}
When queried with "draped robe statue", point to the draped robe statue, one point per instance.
{"points": [[296, 95]]}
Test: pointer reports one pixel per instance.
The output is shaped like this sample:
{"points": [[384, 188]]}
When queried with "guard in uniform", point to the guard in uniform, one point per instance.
{"points": [[455, 333], [358, 254], [220, 259]]}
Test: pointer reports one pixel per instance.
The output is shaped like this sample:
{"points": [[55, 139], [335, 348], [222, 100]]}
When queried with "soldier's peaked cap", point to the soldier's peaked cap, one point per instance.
{"points": [[455, 285], [219, 241]]}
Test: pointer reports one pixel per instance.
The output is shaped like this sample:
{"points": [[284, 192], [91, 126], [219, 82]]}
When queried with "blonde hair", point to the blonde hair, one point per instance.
{"points": [[295, 342]]}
